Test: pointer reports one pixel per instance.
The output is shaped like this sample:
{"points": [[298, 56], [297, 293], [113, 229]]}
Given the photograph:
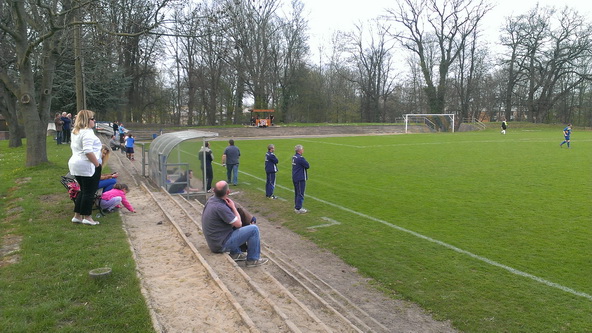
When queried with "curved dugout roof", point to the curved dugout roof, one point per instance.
{"points": [[163, 145]]}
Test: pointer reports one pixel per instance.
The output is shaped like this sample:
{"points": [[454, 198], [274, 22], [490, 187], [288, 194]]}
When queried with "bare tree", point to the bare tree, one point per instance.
{"points": [[290, 62], [447, 24], [557, 55], [512, 37], [8, 110], [374, 73], [254, 29], [35, 31], [469, 77]]}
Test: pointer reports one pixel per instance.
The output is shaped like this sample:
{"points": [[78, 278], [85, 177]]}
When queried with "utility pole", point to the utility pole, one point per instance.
{"points": [[79, 65]]}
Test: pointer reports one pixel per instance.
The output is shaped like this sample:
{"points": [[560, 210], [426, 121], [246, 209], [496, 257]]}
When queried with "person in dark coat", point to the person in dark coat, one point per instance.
{"points": [[209, 172], [271, 162], [66, 130], [299, 176]]}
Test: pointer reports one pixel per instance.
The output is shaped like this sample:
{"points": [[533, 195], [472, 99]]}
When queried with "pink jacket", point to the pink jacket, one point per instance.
{"points": [[117, 193]]}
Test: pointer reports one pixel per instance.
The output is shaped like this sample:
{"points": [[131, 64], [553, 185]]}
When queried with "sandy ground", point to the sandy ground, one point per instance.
{"points": [[182, 296]]}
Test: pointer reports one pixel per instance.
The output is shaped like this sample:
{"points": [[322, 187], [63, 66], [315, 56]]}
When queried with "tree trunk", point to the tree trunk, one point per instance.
{"points": [[8, 110]]}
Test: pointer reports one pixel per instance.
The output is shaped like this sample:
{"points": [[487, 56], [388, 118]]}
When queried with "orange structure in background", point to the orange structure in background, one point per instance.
{"points": [[262, 117]]}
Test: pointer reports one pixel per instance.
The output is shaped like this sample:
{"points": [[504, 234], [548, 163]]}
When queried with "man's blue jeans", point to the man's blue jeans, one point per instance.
{"points": [[232, 170], [248, 234]]}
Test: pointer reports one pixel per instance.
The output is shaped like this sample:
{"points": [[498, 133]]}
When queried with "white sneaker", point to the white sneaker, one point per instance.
{"points": [[301, 211], [85, 221]]}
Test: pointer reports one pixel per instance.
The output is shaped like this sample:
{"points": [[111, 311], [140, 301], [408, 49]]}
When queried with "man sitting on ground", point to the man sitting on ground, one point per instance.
{"points": [[223, 228], [113, 143]]}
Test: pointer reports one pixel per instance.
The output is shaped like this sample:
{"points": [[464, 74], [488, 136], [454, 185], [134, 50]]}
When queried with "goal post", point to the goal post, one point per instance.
{"points": [[437, 122]]}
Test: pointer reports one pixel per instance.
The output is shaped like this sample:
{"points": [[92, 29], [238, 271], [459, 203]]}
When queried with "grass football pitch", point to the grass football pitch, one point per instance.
{"points": [[490, 231]]}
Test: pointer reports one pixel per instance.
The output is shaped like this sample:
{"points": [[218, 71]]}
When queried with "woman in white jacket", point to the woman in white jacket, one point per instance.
{"points": [[85, 165]]}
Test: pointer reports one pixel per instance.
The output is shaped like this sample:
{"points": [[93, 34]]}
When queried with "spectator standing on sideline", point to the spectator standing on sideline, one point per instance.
{"points": [[72, 121], [271, 168], [223, 228], [121, 130], [208, 173], [129, 147], [230, 159], [66, 128], [115, 128], [566, 136], [299, 176], [504, 126], [85, 165], [58, 124]]}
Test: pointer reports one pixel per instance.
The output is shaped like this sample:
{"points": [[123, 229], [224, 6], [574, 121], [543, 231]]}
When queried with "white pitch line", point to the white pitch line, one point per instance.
{"points": [[446, 245], [334, 144], [331, 222]]}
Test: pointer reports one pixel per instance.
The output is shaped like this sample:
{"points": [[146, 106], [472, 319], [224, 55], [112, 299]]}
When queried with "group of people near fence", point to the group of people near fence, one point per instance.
{"points": [[225, 227], [122, 140], [63, 126], [86, 165], [231, 161]]}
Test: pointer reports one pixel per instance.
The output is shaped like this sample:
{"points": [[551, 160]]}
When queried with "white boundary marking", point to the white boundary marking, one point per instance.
{"points": [[331, 222]]}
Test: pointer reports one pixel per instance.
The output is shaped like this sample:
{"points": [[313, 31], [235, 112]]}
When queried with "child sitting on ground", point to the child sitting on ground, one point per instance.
{"points": [[111, 200]]}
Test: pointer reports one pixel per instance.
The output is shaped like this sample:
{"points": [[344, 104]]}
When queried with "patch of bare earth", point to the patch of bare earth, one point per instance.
{"points": [[11, 244], [184, 296]]}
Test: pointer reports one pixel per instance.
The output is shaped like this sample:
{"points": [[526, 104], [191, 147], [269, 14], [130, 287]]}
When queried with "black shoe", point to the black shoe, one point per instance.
{"points": [[239, 256]]}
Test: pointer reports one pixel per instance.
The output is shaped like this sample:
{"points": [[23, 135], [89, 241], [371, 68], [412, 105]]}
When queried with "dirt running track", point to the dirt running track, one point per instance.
{"points": [[302, 289]]}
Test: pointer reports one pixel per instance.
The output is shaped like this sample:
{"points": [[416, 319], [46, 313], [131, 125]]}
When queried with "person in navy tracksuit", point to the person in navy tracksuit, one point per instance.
{"points": [[566, 136], [271, 168], [299, 176]]}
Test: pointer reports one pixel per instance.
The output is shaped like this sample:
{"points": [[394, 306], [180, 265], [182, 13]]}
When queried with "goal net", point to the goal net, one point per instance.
{"points": [[435, 122]]}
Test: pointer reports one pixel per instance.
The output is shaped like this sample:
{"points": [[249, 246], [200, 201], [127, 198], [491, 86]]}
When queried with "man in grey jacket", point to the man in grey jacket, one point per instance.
{"points": [[230, 159]]}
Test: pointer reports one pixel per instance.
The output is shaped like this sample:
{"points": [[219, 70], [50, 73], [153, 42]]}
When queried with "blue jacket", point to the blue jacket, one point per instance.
{"points": [[271, 162], [130, 142], [67, 121], [299, 168], [566, 131]]}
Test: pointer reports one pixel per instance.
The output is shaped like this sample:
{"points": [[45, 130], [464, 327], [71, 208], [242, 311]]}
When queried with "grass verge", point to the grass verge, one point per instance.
{"points": [[45, 259]]}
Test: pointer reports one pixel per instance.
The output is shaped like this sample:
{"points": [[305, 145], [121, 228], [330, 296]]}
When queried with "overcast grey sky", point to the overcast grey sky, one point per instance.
{"points": [[327, 16]]}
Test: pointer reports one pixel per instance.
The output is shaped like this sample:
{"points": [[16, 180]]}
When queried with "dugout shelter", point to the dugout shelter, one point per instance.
{"points": [[172, 154]]}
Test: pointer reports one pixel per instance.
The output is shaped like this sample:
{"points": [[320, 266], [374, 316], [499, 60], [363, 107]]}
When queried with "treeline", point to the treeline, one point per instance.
{"points": [[205, 62]]}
